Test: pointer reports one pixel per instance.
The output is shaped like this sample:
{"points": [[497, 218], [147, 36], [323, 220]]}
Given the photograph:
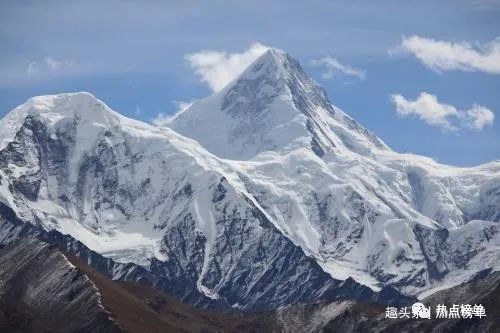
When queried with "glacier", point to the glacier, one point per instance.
{"points": [[261, 195]]}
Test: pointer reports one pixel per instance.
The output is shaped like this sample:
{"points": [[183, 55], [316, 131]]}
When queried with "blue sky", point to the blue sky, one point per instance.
{"points": [[132, 55]]}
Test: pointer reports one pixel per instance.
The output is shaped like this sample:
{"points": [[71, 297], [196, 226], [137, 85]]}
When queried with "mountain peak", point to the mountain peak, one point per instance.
{"points": [[273, 105], [61, 104], [272, 54], [80, 107], [272, 57], [274, 64]]}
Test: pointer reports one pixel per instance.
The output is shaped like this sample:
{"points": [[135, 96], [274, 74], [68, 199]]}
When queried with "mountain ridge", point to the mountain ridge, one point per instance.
{"points": [[271, 228]]}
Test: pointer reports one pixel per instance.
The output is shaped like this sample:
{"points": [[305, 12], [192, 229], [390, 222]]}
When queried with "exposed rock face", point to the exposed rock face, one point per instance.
{"points": [[44, 290], [12, 230], [314, 207], [165, 276], [41, 291], [359, 317]]}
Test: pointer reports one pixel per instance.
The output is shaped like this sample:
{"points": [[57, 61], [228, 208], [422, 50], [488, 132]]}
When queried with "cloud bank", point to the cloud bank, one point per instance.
{"points": [[427, 108], [218, 68], [443, 55]]}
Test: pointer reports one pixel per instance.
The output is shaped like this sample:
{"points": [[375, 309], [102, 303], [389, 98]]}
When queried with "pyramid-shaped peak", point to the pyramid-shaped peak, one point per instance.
{"points": [[274, 63], [276, 56], [273, 105], [275, 74], [273, 55]]}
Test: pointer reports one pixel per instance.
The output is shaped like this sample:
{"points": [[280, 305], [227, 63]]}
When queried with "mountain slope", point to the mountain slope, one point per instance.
{"points": [[41, 291], [305, 209], [46, 290], [86, 300], [346, 316], [137, 193], [339, 192], [141, 308]]}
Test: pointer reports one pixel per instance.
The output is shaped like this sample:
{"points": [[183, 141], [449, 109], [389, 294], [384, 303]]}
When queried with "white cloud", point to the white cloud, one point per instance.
{"points": [[53, 64], [445, 116], [218, 68], [477, 117], [163, 119], [48, 65], [335, 68], [182, 105], [443, 55], [56, 65], [427, 108]]}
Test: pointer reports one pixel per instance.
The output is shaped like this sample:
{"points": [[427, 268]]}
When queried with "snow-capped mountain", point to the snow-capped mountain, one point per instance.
{"points": [[137, 193], [339, 192], [280, 197], [272, 106]]}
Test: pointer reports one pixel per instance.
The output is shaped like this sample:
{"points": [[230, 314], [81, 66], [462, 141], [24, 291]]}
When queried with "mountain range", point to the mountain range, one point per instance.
{"points": [[260, 196]]}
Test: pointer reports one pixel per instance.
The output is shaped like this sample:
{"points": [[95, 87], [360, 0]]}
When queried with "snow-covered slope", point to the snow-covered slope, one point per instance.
{"points": [[398, 220], [285, 197], [138, 193], [339, 192]]}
